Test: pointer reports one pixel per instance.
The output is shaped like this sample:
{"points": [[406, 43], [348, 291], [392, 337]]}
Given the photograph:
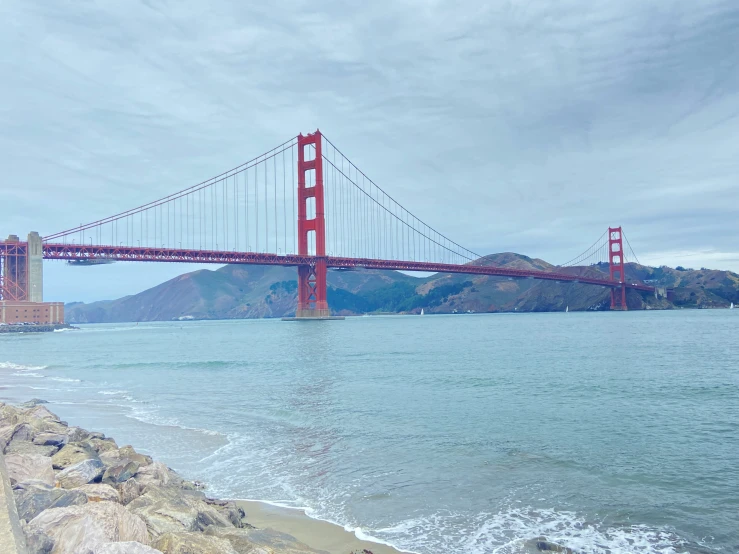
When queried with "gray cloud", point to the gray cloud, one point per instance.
{"points": [[524, 126]]}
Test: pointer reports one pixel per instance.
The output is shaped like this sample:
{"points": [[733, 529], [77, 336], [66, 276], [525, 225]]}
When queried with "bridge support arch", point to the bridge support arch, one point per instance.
{"points": [[616, 267], [312, 287]]}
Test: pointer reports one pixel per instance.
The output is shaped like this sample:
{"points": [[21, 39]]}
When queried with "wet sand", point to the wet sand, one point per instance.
{"points": [[317, 534]]}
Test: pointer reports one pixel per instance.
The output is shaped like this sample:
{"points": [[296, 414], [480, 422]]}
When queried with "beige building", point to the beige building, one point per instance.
{"points": [[31, 312]]}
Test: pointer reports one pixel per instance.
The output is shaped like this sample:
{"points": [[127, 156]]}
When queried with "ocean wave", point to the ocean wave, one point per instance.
{"points": [[21, 367], [64, 330], [27, 374], [113, 392], [517, 530], [64, 380]]}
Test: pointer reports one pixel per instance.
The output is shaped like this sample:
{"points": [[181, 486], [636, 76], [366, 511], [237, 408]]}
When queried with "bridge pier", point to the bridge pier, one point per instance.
{"points": [[616, 268], [312, 287]]}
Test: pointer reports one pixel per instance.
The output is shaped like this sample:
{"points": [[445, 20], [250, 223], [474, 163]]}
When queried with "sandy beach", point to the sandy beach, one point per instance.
{"points": [[320, 535]]}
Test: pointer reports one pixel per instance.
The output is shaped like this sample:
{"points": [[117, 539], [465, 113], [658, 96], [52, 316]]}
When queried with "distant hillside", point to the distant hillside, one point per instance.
{"points": [[246, 291]]}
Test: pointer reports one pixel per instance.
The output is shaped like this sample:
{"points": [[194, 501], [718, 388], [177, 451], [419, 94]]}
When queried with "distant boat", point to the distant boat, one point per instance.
{"points": [[421, 311], [732, 306], [567, 309]]}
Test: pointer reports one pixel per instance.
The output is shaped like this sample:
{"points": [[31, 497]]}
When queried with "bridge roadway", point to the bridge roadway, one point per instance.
{"points": [[72, 252]]}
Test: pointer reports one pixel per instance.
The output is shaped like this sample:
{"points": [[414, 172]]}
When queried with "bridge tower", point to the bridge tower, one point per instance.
{"points": [[312, 301], [616, 267]]}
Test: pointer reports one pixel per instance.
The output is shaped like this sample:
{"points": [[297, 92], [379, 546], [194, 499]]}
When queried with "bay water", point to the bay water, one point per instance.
{"points": [[603, 432]]}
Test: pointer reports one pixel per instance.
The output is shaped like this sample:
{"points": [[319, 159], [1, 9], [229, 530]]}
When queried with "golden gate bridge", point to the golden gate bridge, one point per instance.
{"points": [[301, 204]]}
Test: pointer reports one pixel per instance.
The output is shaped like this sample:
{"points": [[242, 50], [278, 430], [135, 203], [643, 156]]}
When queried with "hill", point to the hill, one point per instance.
{"points": [[245, 291]]}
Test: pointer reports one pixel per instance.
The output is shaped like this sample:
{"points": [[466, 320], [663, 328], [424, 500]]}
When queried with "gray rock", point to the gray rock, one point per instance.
{"points": [[6, 432], [34, 497], [81, 529], [32, 403], [130, 490], [97, 492], [171, 510], [125, 548], [100, 445], [22, 432], [41, 412], [51, 439], [25, 447], [120, 473], [263, 541], [80, 473], [37, 542], [229, 510], [25, 467], [73, 454], [192, 543], [157, 474], [77, 434]]}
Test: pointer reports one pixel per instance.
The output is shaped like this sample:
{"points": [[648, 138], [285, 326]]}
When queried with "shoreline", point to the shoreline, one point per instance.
{"points": [[73, 490], [317, 533]]}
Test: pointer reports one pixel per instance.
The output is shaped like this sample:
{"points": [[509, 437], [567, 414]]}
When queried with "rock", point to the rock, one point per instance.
{"points": [[100, 445], [229, 510], [34, 497], [192, 543], [172, 510], [131, 454], [262, 541], [25, 447], [22, 432], [6, 432], [73, 454], [120, 473], [81, 529], [157, 474], [32, 403], [543, 545], [77, 434], [125, 548], [98, 492], [41, 412], [51, 439], [130, 490], [80, 473], [24, 467], [37, 542]]}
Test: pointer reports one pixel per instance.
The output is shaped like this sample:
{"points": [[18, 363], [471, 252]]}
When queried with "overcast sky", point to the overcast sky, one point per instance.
{"points": [[526, 126]]}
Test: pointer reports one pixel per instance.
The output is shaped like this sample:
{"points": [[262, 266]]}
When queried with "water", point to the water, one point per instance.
{"points": [[606, 432]]}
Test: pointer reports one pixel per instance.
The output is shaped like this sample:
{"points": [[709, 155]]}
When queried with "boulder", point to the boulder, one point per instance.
{"points": [[81, 529], [229, 510], [100, 445], [129, 453], [33, 497], [192, 543], [73, 454], [37, 542], [51, 439], [172, 510], [6, 432], [157, 474], [120, 473], [22, 432], [98, 492], [41, 412], [127, 547], [9, 415], [80, 473], [25, 467], [25, 447], [130, 490], [32, 403], [261, 541], [77, 434]]}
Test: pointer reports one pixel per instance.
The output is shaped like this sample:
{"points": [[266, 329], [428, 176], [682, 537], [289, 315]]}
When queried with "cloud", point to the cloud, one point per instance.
{"points": [[523, 126]]}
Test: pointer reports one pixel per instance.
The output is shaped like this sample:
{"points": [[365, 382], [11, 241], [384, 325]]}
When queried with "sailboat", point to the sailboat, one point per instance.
{"points": [[567, 309], [421, 311], [732, 306]]}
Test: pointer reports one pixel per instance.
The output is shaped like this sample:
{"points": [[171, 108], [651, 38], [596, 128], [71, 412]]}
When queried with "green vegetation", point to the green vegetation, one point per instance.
{"points": [[398, 297]]}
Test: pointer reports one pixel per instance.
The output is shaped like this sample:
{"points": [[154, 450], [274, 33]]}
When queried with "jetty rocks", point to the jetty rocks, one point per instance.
{"points": [[78, 492]]}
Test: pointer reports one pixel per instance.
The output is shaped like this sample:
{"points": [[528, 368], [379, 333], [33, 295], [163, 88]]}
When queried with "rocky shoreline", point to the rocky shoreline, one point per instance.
{"points": [[78, 492]]}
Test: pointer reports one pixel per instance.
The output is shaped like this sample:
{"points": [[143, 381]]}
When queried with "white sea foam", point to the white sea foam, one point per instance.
{"points": [[64, 330], [27, 374], [112, 392], [65, 380], [21, 367]]}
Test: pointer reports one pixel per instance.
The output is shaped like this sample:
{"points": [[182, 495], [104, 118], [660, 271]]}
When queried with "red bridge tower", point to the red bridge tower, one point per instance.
{"points": [[616, 267]]}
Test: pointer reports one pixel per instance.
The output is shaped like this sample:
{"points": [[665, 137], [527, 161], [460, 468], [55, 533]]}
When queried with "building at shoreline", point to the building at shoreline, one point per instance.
{"points": [[22, 284], [31, 312]]}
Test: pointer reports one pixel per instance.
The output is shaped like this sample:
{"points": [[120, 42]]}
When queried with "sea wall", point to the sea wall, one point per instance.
{"points": [[67, 490]]}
